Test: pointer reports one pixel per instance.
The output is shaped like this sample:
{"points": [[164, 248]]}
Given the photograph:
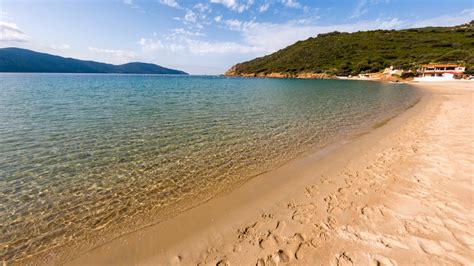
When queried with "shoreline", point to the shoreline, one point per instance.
{"points": [[214, 223], [74, 247], [379, 77], [242, 201], [194, 235]]}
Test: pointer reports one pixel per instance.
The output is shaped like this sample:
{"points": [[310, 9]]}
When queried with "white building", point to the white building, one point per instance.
{"points": [[435, 72], [393, 71]]}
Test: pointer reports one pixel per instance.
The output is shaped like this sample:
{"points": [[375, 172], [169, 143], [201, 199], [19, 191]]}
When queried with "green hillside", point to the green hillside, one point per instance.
{"points": [[339, 53], [22, 60]]}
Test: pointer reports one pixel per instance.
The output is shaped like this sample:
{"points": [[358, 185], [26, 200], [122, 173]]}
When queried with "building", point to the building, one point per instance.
{"points": [[393, 71], [440, 72]]}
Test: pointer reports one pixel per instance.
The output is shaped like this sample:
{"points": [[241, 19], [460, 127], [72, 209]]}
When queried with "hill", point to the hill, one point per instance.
{"points": [[23, 60], [339, 53]]}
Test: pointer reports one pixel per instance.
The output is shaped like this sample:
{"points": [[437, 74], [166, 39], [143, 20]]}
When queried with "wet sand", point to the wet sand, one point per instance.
{"points": [[401, 194]]}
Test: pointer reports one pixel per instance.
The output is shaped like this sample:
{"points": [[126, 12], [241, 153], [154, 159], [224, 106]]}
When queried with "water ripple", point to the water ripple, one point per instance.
{"points": [[87, 157]]}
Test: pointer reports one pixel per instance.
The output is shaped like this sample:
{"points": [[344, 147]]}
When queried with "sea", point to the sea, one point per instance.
{"points": [[85, 158]]}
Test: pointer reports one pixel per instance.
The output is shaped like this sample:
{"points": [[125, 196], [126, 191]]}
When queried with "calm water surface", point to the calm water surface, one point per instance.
{"points": [[84, 158]]}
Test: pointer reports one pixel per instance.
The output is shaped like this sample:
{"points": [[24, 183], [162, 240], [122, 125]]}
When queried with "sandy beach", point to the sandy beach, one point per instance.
{"points": [[401, 194]]}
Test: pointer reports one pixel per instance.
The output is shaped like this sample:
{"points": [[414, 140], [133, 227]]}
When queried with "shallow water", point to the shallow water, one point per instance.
{"points": [[89, 157]]}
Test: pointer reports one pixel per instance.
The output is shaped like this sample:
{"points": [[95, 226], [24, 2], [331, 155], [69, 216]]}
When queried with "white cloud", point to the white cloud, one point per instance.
{"points": [[262, 35], [264, 7], [186, 42], [10, 32], [190, 16], [63, 46], [233, 24], [218, 19], [362, 7], [447, 20], [150, 45], [197, 47], [228, 3], [256, 38], [202, 7], [132, 4], [117, 54], [394, 23], [171, 3], [197, 17], [291, 3], [204, 47], [179, 32], [469, 12], [235, 4]]}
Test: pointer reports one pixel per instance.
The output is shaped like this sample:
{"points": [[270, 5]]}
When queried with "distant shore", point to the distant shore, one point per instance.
{"points": [[368, 77], [399, 194]]}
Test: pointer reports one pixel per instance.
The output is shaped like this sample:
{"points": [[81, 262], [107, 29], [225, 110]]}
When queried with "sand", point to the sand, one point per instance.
{"points": [[401, 194]]}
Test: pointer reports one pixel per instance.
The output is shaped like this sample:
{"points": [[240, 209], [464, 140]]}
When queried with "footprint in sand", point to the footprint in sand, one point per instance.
{"points": [[304, 249], [371, 212], [383, 261], [344, 260], [246, 232], [311, 191], [303, 213], [223, 262], [332, 202], [279, 257]]}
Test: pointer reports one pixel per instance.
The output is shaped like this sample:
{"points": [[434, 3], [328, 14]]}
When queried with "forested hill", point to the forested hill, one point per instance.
{"points": [[339, 53], [23, 60]]}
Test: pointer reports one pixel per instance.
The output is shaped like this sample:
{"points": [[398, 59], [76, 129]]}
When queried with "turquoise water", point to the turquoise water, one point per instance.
{"points": [[84, 158]]}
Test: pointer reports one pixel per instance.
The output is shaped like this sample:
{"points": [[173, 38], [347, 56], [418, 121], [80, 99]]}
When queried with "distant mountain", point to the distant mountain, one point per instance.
{"points": [[23, 60], [339, 53]]}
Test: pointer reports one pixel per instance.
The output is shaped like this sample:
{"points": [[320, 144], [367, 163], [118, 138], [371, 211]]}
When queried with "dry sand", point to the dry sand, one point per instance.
{"points": [[402, 194]]}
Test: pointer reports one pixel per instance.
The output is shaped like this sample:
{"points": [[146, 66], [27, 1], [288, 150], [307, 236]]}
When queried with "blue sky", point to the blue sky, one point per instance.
{"points": [[207, 36]]}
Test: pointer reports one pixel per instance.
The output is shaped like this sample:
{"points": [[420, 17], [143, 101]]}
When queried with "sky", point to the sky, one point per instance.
{"points": [[203, 36]]}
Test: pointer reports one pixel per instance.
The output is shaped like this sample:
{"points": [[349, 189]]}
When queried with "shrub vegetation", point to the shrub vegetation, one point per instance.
{"points": [[339, 53]]}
